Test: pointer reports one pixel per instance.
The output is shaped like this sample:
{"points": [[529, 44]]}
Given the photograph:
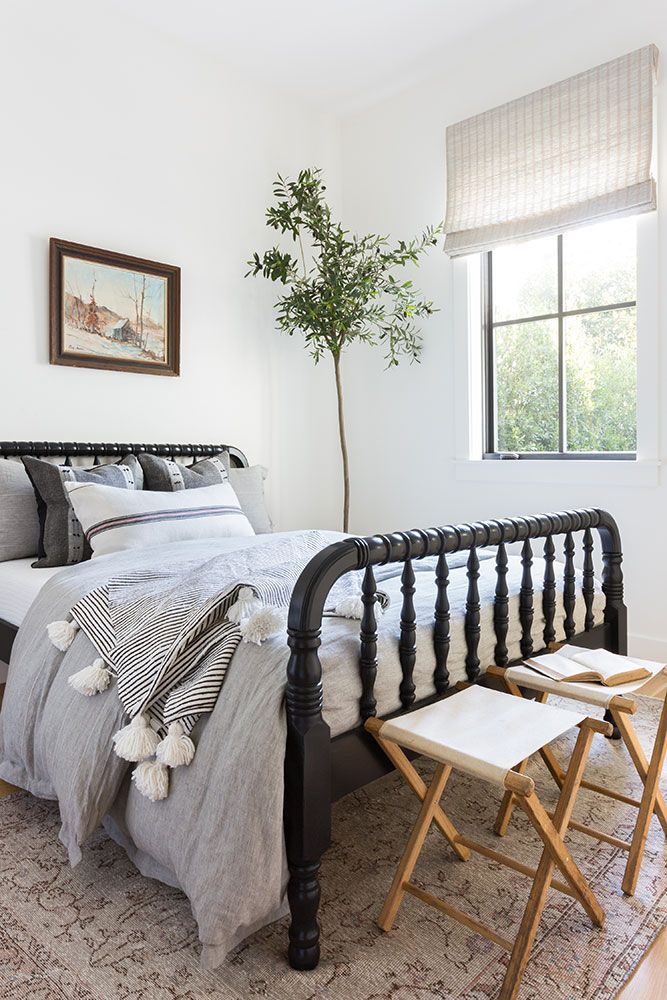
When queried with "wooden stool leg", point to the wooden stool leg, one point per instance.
{"points": [[507, 805], [649, 801], [538, 894], [418, 786], [556, 846], [553, 767], [414, 846], [639, 757]]}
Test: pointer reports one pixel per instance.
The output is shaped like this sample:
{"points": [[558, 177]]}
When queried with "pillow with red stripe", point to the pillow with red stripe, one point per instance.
{"points": [[114, 520]]}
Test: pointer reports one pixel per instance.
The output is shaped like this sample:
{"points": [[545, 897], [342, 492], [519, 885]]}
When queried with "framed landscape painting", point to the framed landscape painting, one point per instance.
{"points": [[109, 310]]}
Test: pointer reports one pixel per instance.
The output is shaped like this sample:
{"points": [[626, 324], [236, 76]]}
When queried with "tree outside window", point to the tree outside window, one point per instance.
{"points": [[561, 344]]}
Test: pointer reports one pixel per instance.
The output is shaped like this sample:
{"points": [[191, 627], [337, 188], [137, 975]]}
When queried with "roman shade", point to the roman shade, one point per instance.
{"points": [[576, 152]]}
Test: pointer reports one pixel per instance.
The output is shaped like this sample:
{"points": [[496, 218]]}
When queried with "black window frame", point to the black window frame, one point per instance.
{"points": [[489, 368]]}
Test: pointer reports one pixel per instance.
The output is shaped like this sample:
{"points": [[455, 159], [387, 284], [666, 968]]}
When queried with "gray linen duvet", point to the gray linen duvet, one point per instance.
{"points": [[218, 835]]}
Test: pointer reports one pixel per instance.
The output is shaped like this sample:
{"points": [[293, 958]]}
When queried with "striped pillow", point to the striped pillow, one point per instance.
{"points": [[61, 541], [114, 520]]}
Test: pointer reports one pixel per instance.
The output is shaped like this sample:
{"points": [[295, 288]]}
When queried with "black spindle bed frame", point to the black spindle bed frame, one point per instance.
{"points": [[319, 770]]}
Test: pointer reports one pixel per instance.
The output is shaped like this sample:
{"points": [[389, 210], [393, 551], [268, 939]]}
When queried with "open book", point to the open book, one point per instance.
{"points": [[571, 663]]}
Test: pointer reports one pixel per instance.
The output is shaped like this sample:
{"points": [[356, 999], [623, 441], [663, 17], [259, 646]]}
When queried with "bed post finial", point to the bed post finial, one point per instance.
{"points": [[307, 794]]}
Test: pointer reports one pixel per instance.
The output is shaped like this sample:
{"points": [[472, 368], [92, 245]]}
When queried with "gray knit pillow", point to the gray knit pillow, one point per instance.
{"points": [[167, 477], [61, 537], [19, 524]]}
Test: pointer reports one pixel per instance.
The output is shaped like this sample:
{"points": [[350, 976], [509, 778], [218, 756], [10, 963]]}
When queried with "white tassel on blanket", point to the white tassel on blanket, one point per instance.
{"points": [[353, 607], [350, 607], [245, 605], [152, 780], [263, 624], [91, 680], [176, 748], [136, 741], [62, 634], [213, 605]]}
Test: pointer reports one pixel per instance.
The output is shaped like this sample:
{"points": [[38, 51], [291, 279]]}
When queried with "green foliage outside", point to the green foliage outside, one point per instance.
{"points": [[601, 374]]}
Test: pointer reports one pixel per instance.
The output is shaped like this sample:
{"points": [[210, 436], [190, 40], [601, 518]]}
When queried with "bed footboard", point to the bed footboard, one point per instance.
{"points": [[308, 761]]}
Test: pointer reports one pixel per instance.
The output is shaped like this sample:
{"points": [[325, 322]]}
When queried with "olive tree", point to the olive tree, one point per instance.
{"points": [[341, 287]]}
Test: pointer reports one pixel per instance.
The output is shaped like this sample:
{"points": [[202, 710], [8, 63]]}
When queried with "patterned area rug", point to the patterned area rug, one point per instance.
{"points": [[103, 932]]}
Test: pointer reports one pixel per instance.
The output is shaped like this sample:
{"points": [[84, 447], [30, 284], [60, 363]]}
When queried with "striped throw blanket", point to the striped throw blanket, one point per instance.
{"points": [[168, 637]]}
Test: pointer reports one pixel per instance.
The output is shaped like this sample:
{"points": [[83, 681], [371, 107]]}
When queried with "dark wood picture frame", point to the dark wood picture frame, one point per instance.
{"points": [[60, 355]]}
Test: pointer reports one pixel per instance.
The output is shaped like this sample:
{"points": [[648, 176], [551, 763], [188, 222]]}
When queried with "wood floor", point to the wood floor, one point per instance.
{"points": [[650, 980], [648, 983], [5, 789]]}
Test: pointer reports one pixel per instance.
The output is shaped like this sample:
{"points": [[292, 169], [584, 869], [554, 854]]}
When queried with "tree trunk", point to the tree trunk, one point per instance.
{"points": [[343, 445]]}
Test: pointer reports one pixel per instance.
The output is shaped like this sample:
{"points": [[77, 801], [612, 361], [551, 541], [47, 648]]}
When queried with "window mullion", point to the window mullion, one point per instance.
{"points": [[562, 399]]}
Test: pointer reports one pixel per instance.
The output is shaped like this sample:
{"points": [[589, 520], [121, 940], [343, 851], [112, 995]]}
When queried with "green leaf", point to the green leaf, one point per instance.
{"points": [[340, 286]]}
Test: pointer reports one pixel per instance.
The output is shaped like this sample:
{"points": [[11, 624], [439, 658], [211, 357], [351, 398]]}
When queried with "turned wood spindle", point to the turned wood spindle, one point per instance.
{"points": [[549, 592], [441, 626], [569, 592], [526, 600], [368, 634], [472, 617], [407, 648], [588, 576], [501, 619]]}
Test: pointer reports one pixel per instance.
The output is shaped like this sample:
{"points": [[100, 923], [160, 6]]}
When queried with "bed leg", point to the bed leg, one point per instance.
{"points": [[307, 794], [608, 717], [303, 893]]}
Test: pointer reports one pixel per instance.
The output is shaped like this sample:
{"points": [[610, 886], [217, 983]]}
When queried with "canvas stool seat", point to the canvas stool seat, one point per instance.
{"points": [[487, 734], [621, 702]]}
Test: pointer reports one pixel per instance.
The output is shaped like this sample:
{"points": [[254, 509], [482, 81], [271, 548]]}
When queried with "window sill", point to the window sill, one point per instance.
{"points": [[596, 472]]}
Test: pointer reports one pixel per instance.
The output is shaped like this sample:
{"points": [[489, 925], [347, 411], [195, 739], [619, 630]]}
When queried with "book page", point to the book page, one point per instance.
{"points": [[603, 662], [555, 665]]}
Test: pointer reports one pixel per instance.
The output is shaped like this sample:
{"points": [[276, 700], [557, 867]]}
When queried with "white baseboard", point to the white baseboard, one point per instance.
{"points": [[648, 647]]}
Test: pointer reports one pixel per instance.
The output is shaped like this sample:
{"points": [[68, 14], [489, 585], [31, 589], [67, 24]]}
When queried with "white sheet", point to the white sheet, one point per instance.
{"points": [[19, 586]]}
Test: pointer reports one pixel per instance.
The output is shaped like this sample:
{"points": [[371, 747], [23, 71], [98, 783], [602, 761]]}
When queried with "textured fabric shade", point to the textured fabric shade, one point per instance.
{"points": [[573, 153]]}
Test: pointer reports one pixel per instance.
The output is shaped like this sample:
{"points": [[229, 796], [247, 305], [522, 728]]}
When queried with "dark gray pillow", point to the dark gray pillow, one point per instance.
{"points": [[168, 477], [248, 484], [19, 524], [61, 537]]}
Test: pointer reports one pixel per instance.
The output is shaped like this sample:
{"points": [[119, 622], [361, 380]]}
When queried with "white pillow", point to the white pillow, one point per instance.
{"points": [[114, 519]]}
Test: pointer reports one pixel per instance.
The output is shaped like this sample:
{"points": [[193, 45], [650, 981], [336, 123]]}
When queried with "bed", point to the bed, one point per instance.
{"points": [[460, 598]]}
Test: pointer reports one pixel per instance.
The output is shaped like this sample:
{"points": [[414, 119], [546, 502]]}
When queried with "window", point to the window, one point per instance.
{"points": [[561, 345]]}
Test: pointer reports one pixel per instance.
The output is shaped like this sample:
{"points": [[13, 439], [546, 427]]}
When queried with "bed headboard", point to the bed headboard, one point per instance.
{"points": [[96, 451]]}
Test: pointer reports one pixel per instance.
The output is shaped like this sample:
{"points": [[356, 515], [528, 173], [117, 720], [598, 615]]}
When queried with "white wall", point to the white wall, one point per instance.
{"points": [[117, 137], [403, 423]]}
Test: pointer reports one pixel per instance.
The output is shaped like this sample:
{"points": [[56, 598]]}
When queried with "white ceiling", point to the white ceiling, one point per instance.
{"points": [[338, 54]]}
